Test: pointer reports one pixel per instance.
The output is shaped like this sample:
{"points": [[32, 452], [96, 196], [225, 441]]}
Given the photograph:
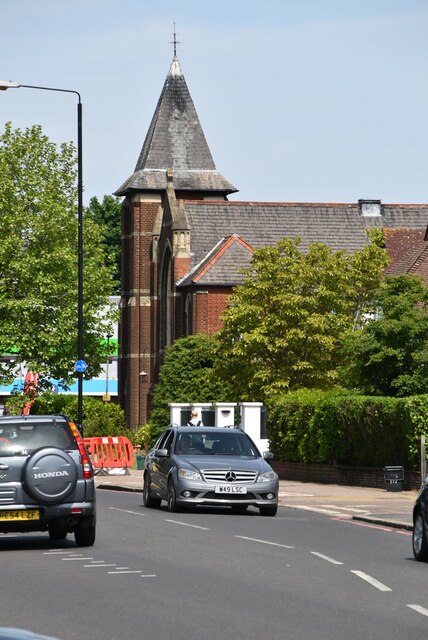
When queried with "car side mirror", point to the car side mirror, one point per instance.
{"points": [[162, 453], [267, 455]]}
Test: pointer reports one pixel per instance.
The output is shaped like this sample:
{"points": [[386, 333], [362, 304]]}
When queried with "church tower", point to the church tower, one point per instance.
{"points": [[175, 164]]}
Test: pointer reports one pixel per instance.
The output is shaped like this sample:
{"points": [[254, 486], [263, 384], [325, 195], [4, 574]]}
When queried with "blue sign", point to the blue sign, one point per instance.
{"points": [[81, 366]]}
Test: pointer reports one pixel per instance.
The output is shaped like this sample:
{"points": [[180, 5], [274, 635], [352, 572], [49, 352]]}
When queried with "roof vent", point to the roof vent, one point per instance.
{"points": [[370, 208]]}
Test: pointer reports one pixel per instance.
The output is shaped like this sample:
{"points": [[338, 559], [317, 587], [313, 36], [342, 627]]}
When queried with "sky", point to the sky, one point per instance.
{"points": [[300, 100]]}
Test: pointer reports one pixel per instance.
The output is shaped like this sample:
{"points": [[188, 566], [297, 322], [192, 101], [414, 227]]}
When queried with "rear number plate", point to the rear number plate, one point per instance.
{"points": [[29, 514], [231, 488]]}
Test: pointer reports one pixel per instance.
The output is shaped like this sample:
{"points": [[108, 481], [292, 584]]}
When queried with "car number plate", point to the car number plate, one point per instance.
{"points": [[28, 514], [231, 488]]}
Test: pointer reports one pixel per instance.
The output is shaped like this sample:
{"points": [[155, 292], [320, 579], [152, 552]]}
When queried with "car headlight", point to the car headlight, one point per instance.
{"points": [[188, 474], [268, 476]]}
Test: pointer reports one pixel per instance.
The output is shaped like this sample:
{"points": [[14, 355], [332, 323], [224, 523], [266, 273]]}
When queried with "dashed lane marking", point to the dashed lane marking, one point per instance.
{"points": [[320, 555], [274, 544], [419, 609], [134, 513], [186, 524], [372, 581]]}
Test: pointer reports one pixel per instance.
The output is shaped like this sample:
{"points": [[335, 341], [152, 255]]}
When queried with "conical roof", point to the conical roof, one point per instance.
{"points": [[175, 140]]}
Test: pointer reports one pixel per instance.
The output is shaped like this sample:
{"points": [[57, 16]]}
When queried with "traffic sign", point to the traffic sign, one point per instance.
{"points": [[81, 366]]}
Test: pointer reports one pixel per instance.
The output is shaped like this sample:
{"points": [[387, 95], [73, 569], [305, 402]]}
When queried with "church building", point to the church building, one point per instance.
{"points": [[184, 241]]}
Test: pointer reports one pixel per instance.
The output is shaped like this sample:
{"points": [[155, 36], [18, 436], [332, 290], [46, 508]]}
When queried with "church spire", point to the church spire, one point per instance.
{"points": [[175, 140]]}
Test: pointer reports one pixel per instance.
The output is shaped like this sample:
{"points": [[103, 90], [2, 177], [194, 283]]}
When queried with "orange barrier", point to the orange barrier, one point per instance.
{"points": [[110, 452]]}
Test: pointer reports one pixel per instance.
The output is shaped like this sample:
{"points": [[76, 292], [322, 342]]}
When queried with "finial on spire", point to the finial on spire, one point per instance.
{"points": [[175, 42]]}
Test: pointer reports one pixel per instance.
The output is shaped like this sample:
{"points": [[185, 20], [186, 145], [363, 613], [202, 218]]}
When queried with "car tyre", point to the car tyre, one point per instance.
{"points": [[419, 539], [269, 510], [172, 498], [85, 536], [56, 532], [148, 499]]}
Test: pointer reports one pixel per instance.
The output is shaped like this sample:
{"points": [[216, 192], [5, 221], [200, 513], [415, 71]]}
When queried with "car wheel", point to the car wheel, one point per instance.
{"points": [[84, 536], [56, 532], [269, 510], [172, 498], [148, 499], [419, 539]]}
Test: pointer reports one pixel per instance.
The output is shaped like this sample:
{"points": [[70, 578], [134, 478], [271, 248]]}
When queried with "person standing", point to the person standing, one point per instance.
{"points": [[194, 420]]}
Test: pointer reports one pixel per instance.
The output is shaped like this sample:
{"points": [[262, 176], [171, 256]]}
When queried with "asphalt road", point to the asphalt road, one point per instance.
{"points": [[210, 574]]}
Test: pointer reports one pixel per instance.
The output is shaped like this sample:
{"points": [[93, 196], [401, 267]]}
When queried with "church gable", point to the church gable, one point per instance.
{"points": [[222, 265]]}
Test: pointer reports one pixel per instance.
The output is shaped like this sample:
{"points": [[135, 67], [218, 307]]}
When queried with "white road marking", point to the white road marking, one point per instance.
{"points": [[368, 525], [185, 524], [96, 566], [274, 544], [320, 555], [148, 575], [57, 553], [353, 509], [295, 494], [76, 558], [418, 608], [372, 581], [112, 573], [134, 513]]}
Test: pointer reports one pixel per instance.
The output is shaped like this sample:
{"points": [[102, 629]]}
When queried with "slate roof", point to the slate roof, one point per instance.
{"points": [[175, 140], [340, 226]]}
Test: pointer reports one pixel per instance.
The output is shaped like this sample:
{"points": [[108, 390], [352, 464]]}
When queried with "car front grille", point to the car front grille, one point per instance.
{"points": [[221, 475]]}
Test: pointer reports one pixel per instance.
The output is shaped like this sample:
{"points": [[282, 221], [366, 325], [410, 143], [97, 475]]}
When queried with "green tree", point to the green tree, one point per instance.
{"points": [[187, 375], [107, 215], [38, 259], [286, 321], [389, 355]]}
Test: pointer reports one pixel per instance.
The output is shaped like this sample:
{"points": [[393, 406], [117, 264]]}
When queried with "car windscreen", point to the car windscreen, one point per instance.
{"points": [[210, 443], [23, 439]]}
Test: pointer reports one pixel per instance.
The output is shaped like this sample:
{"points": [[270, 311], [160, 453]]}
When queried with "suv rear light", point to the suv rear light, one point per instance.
{"points": [[84, 457]]}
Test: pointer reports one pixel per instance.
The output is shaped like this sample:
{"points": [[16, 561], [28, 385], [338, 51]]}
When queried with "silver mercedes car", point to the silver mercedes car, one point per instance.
{"points": [[217, 466]]}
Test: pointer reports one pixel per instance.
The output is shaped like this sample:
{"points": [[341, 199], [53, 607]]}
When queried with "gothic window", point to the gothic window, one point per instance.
{"points": [[189, 315]]}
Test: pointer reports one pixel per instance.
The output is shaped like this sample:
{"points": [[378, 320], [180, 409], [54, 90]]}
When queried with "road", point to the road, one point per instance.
{"points": [[207, 574]]}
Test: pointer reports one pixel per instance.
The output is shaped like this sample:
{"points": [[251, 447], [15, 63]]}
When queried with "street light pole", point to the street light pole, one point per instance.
{"points": [[13, 85]]}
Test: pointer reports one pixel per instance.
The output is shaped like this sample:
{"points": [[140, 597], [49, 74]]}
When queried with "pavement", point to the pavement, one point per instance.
{"points": [[377, 506]]}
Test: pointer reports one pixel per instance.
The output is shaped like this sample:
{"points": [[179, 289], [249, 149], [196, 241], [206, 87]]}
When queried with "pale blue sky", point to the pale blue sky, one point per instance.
{"points": [[300, 100]]}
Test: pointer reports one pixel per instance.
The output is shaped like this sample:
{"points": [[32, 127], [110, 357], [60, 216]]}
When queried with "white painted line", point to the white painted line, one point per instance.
{"points": [[372, 581], [98, 562], [320, 555], [112, 573], [134, 513], [57, 553], [328, 512], [148, 575], [122, 568], [80, 558], [418, 608], [96, 566], [274, 544], [353, 509], [185, 524]]}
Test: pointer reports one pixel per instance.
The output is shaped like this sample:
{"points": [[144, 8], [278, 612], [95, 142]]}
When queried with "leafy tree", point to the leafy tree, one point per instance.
{"points": [[187, 375], [38, 260], [107, 215], [389, 356], [286, 321]]}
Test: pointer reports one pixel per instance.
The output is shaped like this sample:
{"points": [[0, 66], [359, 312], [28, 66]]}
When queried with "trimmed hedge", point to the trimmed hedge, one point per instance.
{"points": [[336, 428]]}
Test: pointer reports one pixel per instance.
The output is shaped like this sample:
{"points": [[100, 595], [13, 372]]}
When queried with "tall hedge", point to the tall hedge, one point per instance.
{"points": [[335, 428]]}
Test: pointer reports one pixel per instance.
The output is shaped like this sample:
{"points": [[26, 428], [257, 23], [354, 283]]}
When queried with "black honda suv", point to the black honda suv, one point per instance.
{"points": [[46, 478]]}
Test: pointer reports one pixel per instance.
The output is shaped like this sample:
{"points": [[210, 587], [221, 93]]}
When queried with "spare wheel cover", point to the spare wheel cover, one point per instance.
{"points": [[50, 475]]}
